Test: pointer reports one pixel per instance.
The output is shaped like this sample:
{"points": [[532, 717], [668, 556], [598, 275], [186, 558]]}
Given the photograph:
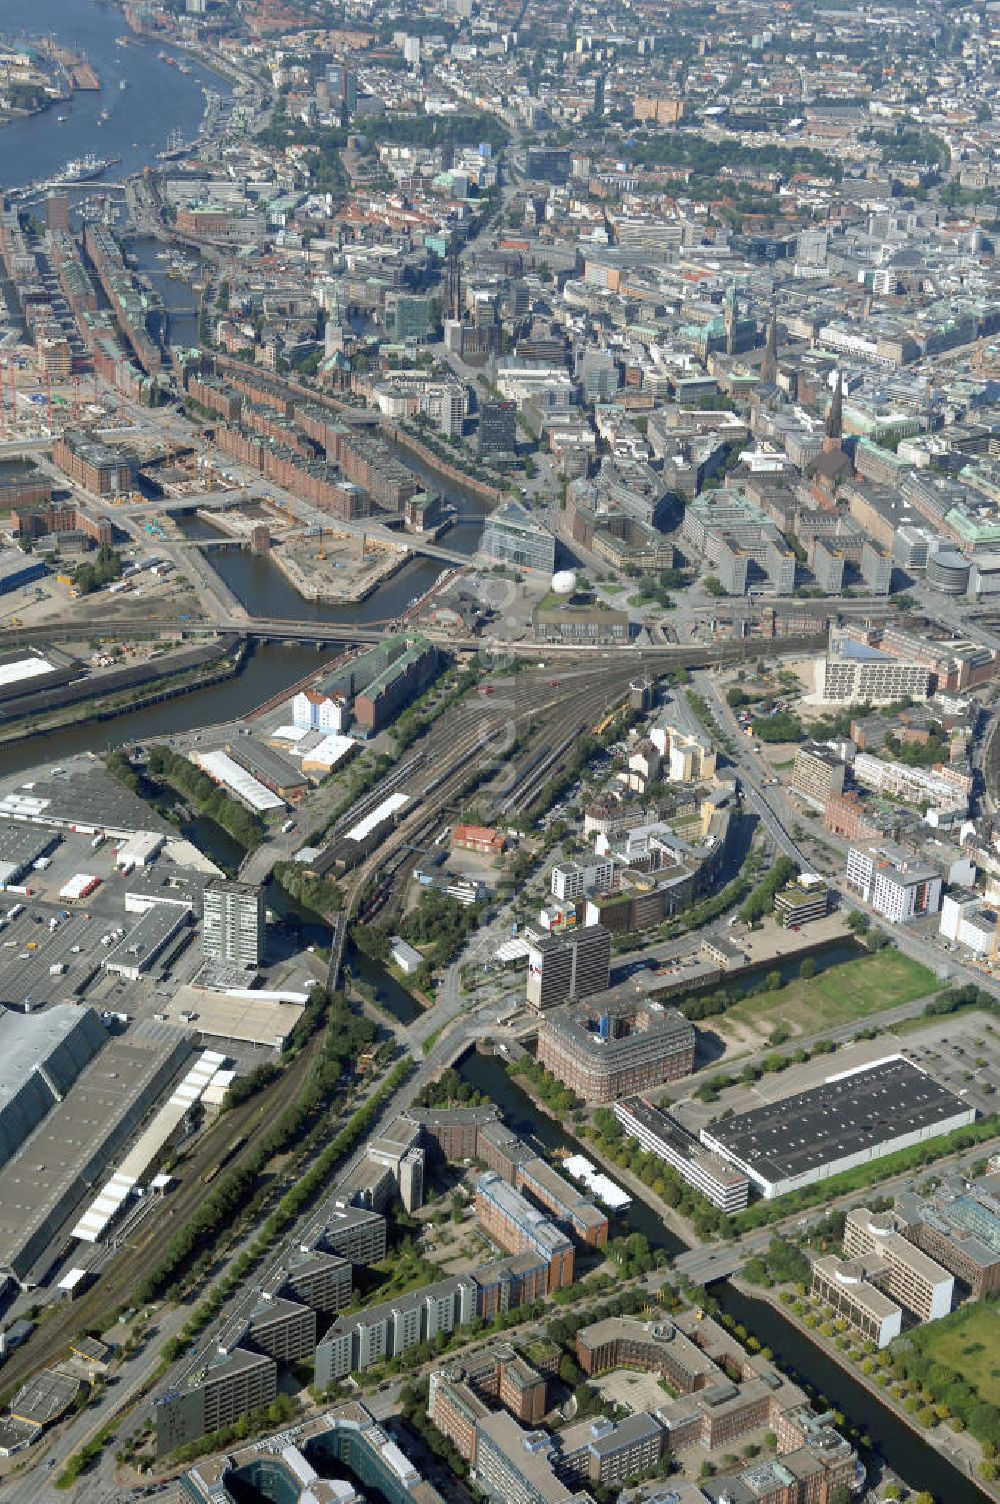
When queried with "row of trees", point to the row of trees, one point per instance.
{"points": [[204, 796]]}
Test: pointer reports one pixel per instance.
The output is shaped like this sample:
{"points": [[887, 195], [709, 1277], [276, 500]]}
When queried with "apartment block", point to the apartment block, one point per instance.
{"points": [[229, 1386], [893, 882], [321, 1281], [576, 879], [356, 1234], [854, 672], [359, 1341], [284, 1329], [817, 773]]}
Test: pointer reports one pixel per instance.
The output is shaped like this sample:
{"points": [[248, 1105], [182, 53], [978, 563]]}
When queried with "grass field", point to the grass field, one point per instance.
{"points": [[968, 1342], [838, 996]]}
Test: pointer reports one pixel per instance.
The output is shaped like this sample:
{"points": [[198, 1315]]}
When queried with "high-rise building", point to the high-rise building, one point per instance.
{"points": [[232, 1384], [497, 428], [234, 923], [342, 86], [566, 967]]}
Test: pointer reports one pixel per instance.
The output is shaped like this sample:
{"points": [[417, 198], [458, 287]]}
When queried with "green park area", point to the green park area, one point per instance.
{"points": [[968, 1343], [807, 1005]]}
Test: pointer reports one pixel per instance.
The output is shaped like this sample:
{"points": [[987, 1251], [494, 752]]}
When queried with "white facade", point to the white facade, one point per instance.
{"points": [[574, 879], [313, 712], [894, 887], [966, 921]]}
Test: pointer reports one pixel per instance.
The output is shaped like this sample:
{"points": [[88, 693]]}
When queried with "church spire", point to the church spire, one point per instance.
{"points": [[834, 429], [769, 365]]}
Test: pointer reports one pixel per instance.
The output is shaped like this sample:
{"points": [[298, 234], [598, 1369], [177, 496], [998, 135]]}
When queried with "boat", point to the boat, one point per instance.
{"points": [[62, 119]]}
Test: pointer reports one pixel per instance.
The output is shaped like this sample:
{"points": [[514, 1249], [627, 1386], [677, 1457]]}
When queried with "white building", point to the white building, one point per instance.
{"points": [[896, 885], [312, 711], [966, 920], [575, 879]]}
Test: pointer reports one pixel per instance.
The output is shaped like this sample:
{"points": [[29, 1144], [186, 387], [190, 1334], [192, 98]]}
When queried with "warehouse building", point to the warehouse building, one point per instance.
{"points": [[614, 1046], [148, 938], [41, 1055], [91, 464], [848, 1120], [18, 569]]}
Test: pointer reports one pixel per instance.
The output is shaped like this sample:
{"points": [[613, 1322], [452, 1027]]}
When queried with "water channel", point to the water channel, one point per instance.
{"points": [[902, 1449]]}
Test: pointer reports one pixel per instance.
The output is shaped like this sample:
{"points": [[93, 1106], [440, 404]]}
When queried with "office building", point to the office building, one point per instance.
{"points": [[897, 1266], [895, 884], [817, 773], [614, 1046], [958, 1224], [689, 755], [92, 465], [876, 568], [846, 1121], [515, 1466], [654, 1346], [844, 1286], [234, 924], [801, 901], [566, 967], [967, 921], [230, 1385], [509, 1219], [576, 879], [609, 1453], [457, 1394], [570, 1207], [513, 536], [497, 430], [342, 87], [658, 1133]]}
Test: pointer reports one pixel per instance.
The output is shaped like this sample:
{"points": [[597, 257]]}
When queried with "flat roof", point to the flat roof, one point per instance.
{"points": [[845, 1115]]}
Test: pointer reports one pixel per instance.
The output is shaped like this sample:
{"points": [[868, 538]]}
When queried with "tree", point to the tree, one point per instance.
{"points": [[808, 968]]}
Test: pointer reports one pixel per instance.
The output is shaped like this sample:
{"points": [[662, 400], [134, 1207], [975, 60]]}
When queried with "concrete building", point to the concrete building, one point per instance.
{"points": [[844, 1286], [229, 1386], [565, 967], [803, 900], [319, 1280], [284, 1329], [356, 1234], [658, 1133], [893, 882], [497, 436], [967, 921], [855, 672], [234, 928], [576, 879], [689, 755], [817, 773], [608, 1453], [514, 1466], [615, 1046], [359, 1341], [896, 1265]]}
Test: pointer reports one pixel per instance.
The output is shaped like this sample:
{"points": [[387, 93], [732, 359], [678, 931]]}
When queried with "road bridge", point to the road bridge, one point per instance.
{"points": [[703, 1265]]}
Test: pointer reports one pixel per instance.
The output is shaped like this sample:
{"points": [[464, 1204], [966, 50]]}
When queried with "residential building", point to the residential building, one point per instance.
{"points": [[356, 1234], [319, 1280], [967, 921], [817, 773], [234, 931], [358, 1341], [285, 1329], [576, 879], [609, 1453], [229, 1386], [895, 884], [855, 672]]}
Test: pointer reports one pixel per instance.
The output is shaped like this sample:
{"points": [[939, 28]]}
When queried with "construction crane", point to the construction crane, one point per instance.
{"points": [[322, 550]]}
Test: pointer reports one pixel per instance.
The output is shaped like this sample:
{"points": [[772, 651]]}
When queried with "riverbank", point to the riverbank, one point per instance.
{"points": [[433, 462], [960, 1449], [97, 708]]}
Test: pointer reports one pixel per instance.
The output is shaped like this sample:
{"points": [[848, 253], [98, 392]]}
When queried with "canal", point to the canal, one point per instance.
{"points": [[903, 1450]]}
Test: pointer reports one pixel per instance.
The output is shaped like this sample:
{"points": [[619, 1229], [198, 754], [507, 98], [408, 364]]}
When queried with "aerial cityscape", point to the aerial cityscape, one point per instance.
{"points": [[499, 752]]}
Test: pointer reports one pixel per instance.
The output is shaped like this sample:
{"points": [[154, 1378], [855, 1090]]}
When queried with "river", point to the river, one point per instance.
{"points": [[157, 100], [902, 1449]]}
